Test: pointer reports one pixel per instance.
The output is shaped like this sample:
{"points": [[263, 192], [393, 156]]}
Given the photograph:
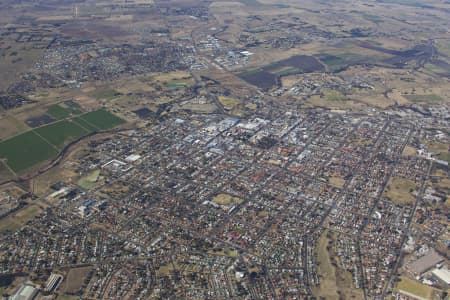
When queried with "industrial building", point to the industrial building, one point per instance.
{"points": [[425, 263], [442, 275], [25, 292]]}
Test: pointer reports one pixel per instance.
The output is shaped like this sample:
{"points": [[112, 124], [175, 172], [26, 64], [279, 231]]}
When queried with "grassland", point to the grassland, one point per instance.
{"points": [[337, 62], [439, 171], [327, 272], [444, 47], [444, 156], [201, 108], [431, 98], [435, 69], [440, 150], [228, 103], [58, 112], [399, 191], [251, 106], [335, 282], [19, 218], [263, 214], [10, 126], [165, 270], [173, 79], [16, 59], [183, 82], [437, 147], [409, 151], [90, 180], [333, 95], [225, 199], [317, 101], [443, 184], [224, 252], [32, 147], [415, 288], [104, 94], [135, 85], [75, 279], [376, 100], [41, 184], [348, 54]]}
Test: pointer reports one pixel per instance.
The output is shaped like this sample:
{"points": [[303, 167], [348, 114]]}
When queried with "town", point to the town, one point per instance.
{"points": [[243, 149], [222, 207]]}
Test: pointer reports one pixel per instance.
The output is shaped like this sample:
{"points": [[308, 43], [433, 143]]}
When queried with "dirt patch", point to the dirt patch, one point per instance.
{"points": [[409, 151], [75, 280], [225, 199], [337, 181], [400, 191]]}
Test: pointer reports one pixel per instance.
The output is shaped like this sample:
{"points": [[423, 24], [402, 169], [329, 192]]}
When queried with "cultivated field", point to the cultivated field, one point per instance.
{"points": [[38, 145], [102, 119], [61, 133], [26, 150]]}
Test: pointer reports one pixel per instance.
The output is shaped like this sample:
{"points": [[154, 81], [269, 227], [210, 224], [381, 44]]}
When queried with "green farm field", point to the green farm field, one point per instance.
{"points": [[61, 133], [28, 149], [25, 150], [102, 119], [82, 123]]}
